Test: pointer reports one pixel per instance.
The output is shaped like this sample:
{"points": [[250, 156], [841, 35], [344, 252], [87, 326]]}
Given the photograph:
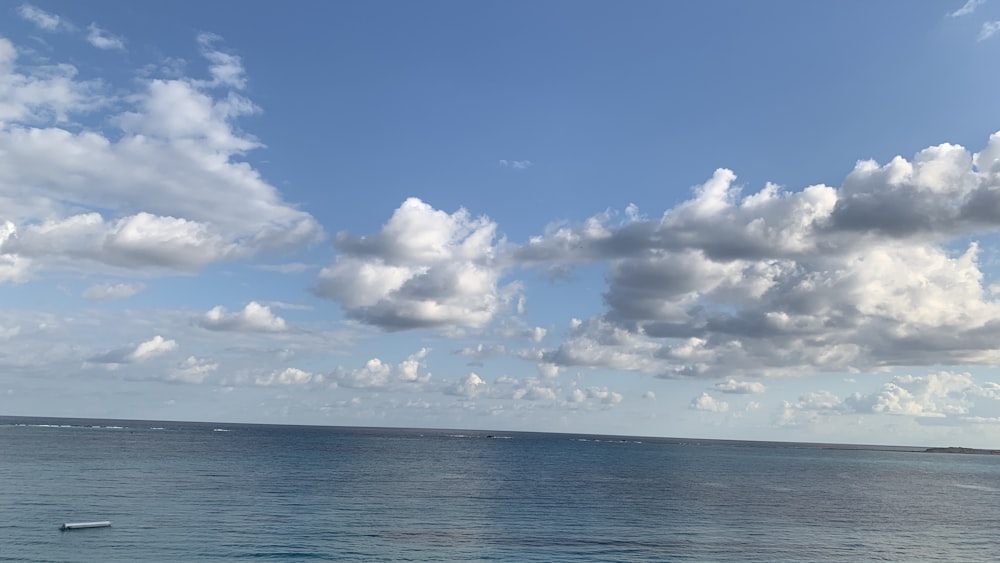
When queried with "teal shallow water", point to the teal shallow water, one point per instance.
{"points": [[208, 492]]}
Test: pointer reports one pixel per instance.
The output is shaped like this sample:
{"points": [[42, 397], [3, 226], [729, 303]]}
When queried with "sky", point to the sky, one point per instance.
{"points": [[771, 220]]}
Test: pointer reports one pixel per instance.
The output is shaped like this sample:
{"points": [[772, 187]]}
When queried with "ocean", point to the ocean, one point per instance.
{"points": [[232, 492]]}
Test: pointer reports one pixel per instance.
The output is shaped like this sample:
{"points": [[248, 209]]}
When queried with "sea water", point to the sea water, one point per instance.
{"points": [[226, 492]]}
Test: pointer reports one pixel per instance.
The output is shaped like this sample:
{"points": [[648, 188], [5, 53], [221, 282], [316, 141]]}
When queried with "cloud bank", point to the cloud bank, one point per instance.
{"points": [[883, 270], [940, 395]]}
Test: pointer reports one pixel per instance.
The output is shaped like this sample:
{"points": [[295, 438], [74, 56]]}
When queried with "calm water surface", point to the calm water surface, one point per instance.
{"points": [[204, 492]]}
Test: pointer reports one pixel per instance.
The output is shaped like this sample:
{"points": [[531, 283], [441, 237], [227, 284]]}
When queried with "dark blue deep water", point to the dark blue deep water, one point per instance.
{"points": [[222, 492]]}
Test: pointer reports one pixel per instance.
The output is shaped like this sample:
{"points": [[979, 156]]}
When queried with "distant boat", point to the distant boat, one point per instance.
{"points": [[83, 525]]}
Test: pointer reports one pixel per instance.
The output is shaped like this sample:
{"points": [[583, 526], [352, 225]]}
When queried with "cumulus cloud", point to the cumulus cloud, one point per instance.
{"points": [[874, 273], [379, 375], [192, 370], [426, 268], [535, 391], [708, 403], [934, 395], [536, 334], [141, 241], [532, 389], [112, 291], [603, 395], [167, 191], [548, 371], [810, 406], [253, 318], [597, 343], [151, 348], [101, 39], [290, 376], [470, 387]]}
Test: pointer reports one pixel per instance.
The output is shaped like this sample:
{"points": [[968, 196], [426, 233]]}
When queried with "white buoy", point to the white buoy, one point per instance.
{"points": [[81, 525]]}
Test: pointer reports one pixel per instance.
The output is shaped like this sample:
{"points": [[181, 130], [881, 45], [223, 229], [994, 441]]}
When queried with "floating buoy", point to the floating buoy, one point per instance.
{"points": [[82, 525]]}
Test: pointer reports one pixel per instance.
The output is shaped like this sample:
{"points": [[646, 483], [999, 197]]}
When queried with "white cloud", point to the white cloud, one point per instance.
{"points": [[226, 69], [426, 268], [810, 407], [532, 389], [937, 395], [173, 191], [988, 30], [253, 318], [110, 291], [516, 164], [934, 395], [377, 374], [42, 19], [858, 277], [536, 334], [13, 268], [740, 387], [649, 395], [152, 348], [967, 8], [101, 39], [708, 403], [604, 395], [142, 352], [548, 371], [596, 343], [137, 242], [470, 387], [290, 376], [192, 370], [42, 94]]}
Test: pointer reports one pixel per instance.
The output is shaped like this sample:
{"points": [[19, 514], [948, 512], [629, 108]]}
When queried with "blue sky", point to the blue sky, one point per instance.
{"points": [[768, 220]]}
